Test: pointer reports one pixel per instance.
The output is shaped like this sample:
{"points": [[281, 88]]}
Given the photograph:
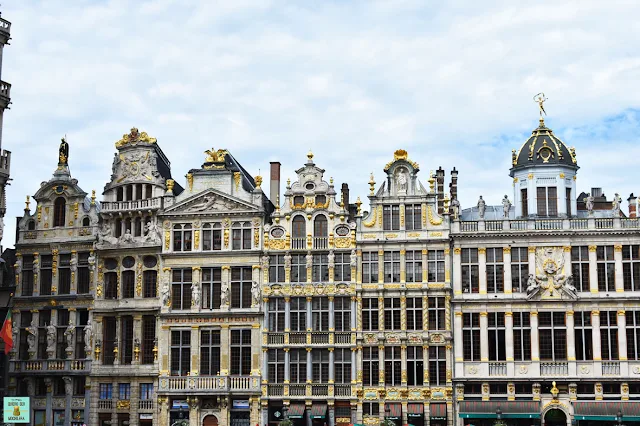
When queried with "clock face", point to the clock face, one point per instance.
{"points": [[59, 189]]}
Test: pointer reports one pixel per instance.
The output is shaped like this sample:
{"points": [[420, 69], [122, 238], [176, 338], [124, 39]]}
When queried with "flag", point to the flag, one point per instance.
{"points": [[6, 333]]}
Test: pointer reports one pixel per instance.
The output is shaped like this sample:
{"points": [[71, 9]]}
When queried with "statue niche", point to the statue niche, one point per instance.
{"points": [[549, 279]]}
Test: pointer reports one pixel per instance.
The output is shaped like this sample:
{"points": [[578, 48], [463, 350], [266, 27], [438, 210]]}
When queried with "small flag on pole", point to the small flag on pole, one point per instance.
{"points": [[6, 333]]}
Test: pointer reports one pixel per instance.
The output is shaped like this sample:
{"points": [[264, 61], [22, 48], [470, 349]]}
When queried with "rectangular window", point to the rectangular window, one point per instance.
{"points": [[370, 314], [342, 314], [276, 268], [111, 285], [146, 391], [241, 287], [150, 280], [320, 314], [470, 272], [370, 267], [392, 313], [64, 274], [212, 237], [241, 236], [392, 365], [633, 335], [320, 365], [521, 336], [606, 267], [83, 273], [126, 339], [391, 217], [25, 321], [415, 366], [437, 313], [342, 267], [211, 288], [497, 342], [631, 267], [437, 365], [128, 284], [44, 320], [609, 335], [584, 338], [298, 314], [525, 202], [391, 266], [27, 275], [298, 268], [342, 362], [241, 352], [182, 237], [371, 409], [61, 342], [181, 289], [298, 365], [275, 361], [320, 270], [414, 313], [568, 201], [46, 275], [413, 266], [413, 213], [124, 391], [209, 352], [495, 270], [435, 266], [108, 339], [148, 339], [519, 268], [82, 316], [106, 391], [276, 314], [180, 352], [553, 336], [471, 336], [547, 201], [580, 267], [370, 365]]}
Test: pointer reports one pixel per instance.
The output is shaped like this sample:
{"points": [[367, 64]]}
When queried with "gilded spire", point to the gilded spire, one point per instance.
{"points": [[372, 184], [26, 204], [540, 99], [310, 156]]}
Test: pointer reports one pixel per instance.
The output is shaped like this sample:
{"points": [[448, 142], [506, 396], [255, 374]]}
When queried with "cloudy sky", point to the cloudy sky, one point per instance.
{"points": [[451, 82]]}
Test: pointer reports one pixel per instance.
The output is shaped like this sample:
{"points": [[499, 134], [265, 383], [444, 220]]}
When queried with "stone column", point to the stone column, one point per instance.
{"points": [[535, 337], [287, 365], [457, 339], [331, 414], [163, 417], [447, 267], [358, 365], [404, 413], [424, 266], [403, 263], [593, 272], [332, 370], [196, 278], [225, 278], [309, 365], [332, 319], [380, 266], [482, 269], [561, 203], [117, 351], [224, 349], [381, 364], [287, 314], [448, 362], [137, 335], [164, 338], [622, 335], [74, 273], [381, 313], [425, 362], [484, 337], [617, 256], [506, 254], [354, 310], [508, 334], [532, 255], [457, 271], [309, 317], [355, 366], [571, 336], [54, 271], [255, 349], [403, 313], [98, 334], [595, 336], [403, 366]]}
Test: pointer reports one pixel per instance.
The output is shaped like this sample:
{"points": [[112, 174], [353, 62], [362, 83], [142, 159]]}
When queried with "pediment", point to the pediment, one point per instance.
{"points": [[211, 202]]}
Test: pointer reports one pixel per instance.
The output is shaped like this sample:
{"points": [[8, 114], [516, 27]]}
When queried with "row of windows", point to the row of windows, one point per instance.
{"points": [[552, 336], [371, 365], [391, 217], [124, 391], [319, 270], [45, 272], [212, 237], [239, 349], [392, 313], [413, 266], [319, 307], [128, 283], [584, 390], [298, 361], [62, 322], [125, 341], [181, 291], [546, 201]]}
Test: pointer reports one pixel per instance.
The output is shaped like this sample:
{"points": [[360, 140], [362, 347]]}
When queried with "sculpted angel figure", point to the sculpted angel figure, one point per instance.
{"points": [[152, 232], [532, 284], [287, 260], [164, 292], [402, 181], [51, 338], [615, 205], [206, 203], [88, 335], [589, 202], [482, 206], [224, 294], [195, 294], [353, 259], [68, 334], [506, 206], [255, 294]]}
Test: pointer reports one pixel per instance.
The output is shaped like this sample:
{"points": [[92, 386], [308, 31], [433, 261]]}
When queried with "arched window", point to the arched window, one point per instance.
{"points": [[298, 227], [86, 221], [118, 228], [31, 225], [320, 228], [59, 210], [138, 227], [182, 237]]}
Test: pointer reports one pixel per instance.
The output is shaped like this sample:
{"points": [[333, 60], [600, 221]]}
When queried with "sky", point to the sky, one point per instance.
{"points": [[451, 82]]}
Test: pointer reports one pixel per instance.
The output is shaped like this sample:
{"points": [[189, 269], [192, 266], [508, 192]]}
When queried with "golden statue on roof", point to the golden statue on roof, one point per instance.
{"points": [[134, 137], [214, 156], [540, 99]]}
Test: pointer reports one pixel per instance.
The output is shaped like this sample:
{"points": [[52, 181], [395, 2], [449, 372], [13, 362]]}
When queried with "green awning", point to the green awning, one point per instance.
{"points": [[510, 409], [606, 410], [318, 411], [438, 410], [296, 411], [395, 410]]}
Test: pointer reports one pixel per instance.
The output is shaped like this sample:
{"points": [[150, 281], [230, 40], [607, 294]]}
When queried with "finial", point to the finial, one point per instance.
{"points": [[278, 204], [358, 204], [310, 156], [170, 183], [288, 182], [93, 197], [372, 184], [26, 206], [540, 98], [432, 182], [331, 180], [258, 180]]}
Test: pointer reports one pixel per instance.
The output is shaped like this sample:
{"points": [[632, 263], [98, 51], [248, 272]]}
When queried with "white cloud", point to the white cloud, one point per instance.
{"points": [[451, 82]]}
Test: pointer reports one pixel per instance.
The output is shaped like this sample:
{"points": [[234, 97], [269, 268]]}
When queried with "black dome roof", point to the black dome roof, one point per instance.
{"points": [[543, 148]]}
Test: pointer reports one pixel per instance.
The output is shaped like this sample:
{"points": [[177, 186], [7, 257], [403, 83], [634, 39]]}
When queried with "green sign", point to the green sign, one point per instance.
{"points": [[16, 409]]}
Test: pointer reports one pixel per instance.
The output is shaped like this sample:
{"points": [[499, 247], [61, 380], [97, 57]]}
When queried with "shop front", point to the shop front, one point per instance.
{"points": [[486, 413], [415, 414], [609, 413], [438, 414], [393, 412], [179, 412], [318, 414], [294, 412]]}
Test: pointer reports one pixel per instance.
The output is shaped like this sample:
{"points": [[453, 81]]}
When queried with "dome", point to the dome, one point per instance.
{"points": [[543, 148]]}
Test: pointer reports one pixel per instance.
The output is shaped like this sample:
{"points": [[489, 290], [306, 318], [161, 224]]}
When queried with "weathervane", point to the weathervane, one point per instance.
{"points": [[540, 99]]}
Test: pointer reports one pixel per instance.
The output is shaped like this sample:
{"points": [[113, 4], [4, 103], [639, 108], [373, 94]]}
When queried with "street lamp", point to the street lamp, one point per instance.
{"points": [[619, 418], [499, 413], [387, 412], [285, 412]]}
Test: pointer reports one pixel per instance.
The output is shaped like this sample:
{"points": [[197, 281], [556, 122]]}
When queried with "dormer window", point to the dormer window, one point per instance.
{"points": [[547, 201], [86, 222], [59, 209], [321, 199], [31, 225], [298, 200], [309, 186]]}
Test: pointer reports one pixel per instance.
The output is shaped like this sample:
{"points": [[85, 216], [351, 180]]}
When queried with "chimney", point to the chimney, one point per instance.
{"points": [[440, 189], [632, 205], [453, 186], [596, 192], [274, 183], [345, 195]]}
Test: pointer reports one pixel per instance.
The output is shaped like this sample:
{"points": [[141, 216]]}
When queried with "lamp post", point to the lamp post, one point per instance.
{"points": [[285, 412], [619, 418], [499, 413]]}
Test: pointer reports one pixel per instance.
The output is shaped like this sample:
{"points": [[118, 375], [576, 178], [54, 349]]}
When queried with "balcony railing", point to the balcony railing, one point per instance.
{"points": [[105, 404], [493, 225], [546, 224], [319, 390], [554, 368], [134, 205], [468, 226], [610, 368], [298, 244], [320, 243], [297, 390], [604, 223], [343, 338], [298, 338], [497, 369], [145, 404], [343, 390], [68, 365], [210, 383], [276, 338]]}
